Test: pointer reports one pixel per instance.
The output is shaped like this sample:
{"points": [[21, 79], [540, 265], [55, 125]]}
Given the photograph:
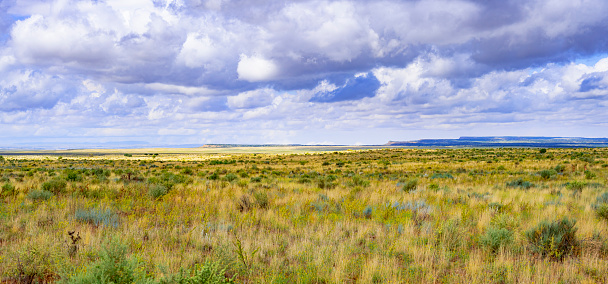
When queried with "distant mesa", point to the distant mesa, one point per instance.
{"points": [[507, 141]]}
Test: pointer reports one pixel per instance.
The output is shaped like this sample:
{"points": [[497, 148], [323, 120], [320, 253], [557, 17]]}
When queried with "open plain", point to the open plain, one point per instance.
{"points": [[305, 215]]}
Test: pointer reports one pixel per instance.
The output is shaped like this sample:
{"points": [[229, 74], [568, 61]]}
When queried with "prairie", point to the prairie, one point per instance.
{"points": [[305, 215]]}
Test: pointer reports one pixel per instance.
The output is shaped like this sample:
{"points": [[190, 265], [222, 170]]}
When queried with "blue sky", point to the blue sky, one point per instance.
{"points": [[309, 72]]}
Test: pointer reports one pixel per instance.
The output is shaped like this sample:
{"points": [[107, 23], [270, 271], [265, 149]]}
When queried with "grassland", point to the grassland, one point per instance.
{"points": [[500, 215]]}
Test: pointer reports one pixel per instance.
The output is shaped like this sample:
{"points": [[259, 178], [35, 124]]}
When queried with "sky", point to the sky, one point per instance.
{"points": [[173, 72]]}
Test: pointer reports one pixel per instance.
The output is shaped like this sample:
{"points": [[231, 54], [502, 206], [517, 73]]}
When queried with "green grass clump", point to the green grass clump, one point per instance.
{"points": [[8, 189], [555, 239], [208, 273]]}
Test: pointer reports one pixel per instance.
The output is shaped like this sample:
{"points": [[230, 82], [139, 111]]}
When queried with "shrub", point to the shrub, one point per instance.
{"points": [[559, 168], [576, 186], [157, 191], [168, 180], [39, 195], [97, 217], [31, 264], [113, 266], [590, 175], [8, 189], [209, 273], [261, 199], [55, 186], [496, 238], [547, 174], [231, 177], [520, 183], [556, 239], [601, 206], [410, 185]]}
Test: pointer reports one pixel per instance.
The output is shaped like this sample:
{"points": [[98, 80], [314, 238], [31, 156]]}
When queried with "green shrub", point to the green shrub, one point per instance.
{"points": [[590, 175], [559, 168], [410, 185], [113, 267], [168, 179], [8, 189], [209, 273], [157, 191], [31, 264], [576, 186], [601, 206], [39, 195], [97, 217], [555, 240], [520, 183], [496, 238], [547, 174], [56, 186], [261, 199], [231, 177]]}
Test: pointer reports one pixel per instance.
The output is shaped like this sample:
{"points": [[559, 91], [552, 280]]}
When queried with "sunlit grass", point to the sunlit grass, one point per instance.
{"points": [[373, 216]]}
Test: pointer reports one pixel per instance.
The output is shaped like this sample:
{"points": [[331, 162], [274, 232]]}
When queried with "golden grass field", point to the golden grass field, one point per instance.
{"points": [[305, 215]]}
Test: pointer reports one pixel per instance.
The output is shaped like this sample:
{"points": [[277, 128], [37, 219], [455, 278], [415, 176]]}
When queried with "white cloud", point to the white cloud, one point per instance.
{"points": [[256, 69], [252, 99]]}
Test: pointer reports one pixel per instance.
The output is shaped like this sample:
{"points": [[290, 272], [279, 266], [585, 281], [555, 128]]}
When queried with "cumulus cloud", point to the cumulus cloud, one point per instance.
{"points": [[263, 71]]}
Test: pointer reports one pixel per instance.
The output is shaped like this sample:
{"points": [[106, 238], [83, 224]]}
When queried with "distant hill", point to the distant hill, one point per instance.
{"points": [[507, 141]]}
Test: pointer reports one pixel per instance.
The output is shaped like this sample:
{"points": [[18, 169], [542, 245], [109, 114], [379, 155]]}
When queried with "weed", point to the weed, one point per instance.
{"points": [[97, 217], [410, 185], [520, 183], [496, 238], [157, 191], [39, 195]]}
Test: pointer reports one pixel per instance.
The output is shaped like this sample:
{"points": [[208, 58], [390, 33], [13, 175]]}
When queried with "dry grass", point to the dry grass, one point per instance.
{"points": [[339, 217]]}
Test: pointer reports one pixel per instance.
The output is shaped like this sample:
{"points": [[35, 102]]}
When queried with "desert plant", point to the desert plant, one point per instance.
{"points": [[410, 185], [261, 199], [8, 189], [157, 191], [547, 174], [113, 267], [520, 183], [555, 239], [39, 195], [601, 206], [496, 238], [97, 217], [208, 273], [56, 186]]}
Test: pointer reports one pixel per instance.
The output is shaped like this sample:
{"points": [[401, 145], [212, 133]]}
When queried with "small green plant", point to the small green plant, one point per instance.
{"points": [[56, 186], [410, 185], [520, 183], [601, 206], [590, 175], [555, 239], [8, 189], [208, 273], [128, 155], [261, 199], [496, 238], [542, 151], [39, 195], [576, 186], [97, 217], [157, 191], [113, 266], [244, 258], [547, 174], [231, 177]]}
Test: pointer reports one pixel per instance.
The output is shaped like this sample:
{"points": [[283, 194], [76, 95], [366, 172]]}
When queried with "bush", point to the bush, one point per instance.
{"points": [[576, 186], [496, 238], [97, 217], [261, 199], [113, 266], [209, 273], [56, 186], [410, 185], [231, 177], [559, 168], [601, 206], [31, 264], [157, 191], [168, 180], [547, 174], [556, 239], [8, 190], [520, 183], [39, 195]]}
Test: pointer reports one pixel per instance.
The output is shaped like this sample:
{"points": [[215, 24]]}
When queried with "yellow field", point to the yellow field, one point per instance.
{"points": [[305, 215]]}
